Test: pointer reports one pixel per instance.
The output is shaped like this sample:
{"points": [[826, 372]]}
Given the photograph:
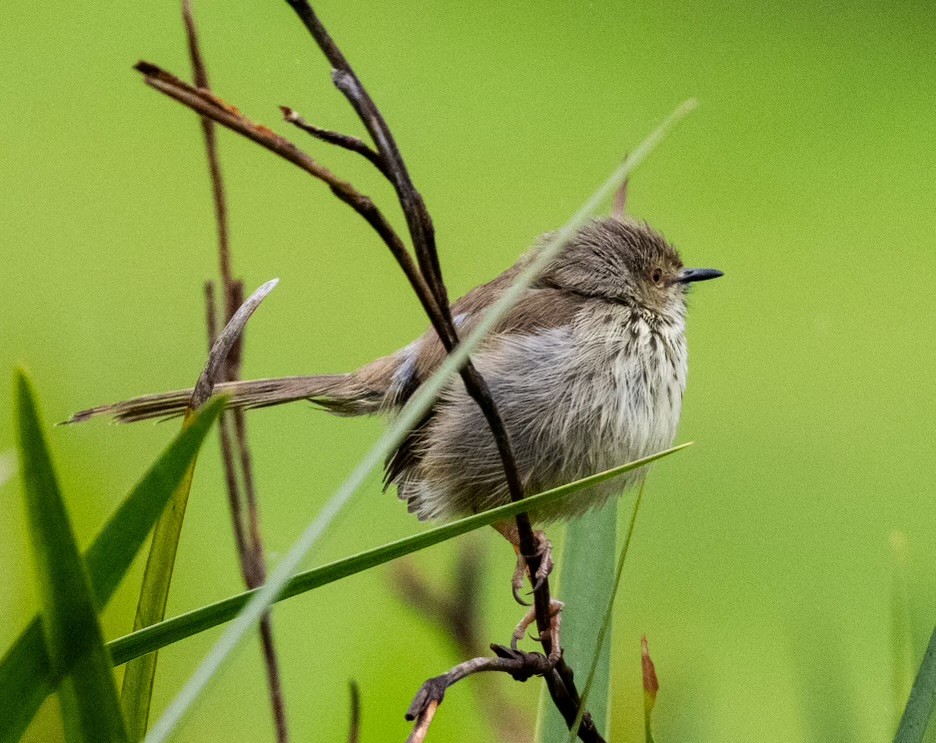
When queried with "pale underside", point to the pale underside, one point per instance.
{"points": [[600, 387]]}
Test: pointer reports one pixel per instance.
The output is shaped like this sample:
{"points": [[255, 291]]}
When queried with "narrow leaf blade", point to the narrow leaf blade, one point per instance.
{"points": [[90, 706], [137, 691], [26, 677], [185, 625]]}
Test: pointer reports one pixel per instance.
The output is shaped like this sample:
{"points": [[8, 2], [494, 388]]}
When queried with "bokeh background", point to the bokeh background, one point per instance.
{"points": [[762, 568]]}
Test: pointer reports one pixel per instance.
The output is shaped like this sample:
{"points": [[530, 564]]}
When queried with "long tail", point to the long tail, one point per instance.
{"points": [[341, 394]]}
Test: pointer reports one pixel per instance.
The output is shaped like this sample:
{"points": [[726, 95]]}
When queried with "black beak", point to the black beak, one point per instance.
{"points": [[689, 275]]}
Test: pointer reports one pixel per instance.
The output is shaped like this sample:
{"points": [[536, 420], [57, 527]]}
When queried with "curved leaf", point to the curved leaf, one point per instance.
{"points": [[90, 708], [191, 623], [26, 677]]}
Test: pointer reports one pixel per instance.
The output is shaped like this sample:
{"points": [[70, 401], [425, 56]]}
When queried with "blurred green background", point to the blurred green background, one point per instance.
{"points": [[761, 569]]}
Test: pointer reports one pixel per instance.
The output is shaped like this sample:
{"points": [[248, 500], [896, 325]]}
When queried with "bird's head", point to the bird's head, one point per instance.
{"points": [[625, 261]]}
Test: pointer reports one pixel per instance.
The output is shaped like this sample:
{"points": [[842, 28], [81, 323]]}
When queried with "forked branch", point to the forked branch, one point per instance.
{"points": [[426, 281]]}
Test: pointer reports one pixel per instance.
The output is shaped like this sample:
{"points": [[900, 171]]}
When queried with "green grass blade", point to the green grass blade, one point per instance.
{"points": [[26, 678], [411, 414], [90, 707], [185, 625], [605, 630], [137, 691], [586, 579], [916, 716]]}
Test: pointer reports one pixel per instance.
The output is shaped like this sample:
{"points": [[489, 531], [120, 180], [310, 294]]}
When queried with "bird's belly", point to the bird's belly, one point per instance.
{"points": [[624, 404]]}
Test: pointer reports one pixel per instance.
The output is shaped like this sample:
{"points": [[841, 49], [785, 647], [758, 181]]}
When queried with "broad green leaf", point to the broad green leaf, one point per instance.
{"points": [[191, 623], [606, 620], [586, 580], [90, 707], [26, 677], [411, 414], [916, 716]]}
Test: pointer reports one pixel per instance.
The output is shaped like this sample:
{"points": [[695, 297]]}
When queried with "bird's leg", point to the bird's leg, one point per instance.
{"points": [[508, 529]]}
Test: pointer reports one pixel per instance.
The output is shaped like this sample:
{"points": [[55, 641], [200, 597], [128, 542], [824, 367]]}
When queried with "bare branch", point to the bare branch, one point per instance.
{"points": [[414, 208], [250, 554], [208, 104], [423, 237], [456, 610], [345, 141], [227, 451]]}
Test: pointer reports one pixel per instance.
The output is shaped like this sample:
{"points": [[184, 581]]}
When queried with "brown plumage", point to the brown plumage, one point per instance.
{"points": [[587, 369]]}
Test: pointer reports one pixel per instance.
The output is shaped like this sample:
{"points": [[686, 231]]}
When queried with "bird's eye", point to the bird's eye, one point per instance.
{"points": [[656, 275]]}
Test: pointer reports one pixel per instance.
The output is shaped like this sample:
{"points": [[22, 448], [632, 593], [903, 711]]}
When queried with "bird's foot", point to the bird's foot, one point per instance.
{"points": [[555, 610], [544, 552]]}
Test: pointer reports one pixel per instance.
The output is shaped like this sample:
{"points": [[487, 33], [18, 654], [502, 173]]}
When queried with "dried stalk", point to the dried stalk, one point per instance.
{"points": [[426, 282], [235, 449], [560, 684]]}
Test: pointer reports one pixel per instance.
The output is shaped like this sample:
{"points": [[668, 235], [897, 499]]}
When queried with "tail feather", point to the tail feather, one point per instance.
{"points": [[341, 394]]}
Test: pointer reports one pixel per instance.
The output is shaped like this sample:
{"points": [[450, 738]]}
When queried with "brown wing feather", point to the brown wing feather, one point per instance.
{"points": [[538, 309]]}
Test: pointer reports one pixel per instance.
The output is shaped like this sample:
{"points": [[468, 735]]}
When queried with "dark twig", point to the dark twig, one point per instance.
{"points": [[519, 665], [426, 282], [227, 451], [560, 683], [456, 610], [414, 208], [250, 552], [345, 141], [207, 104], [354, 728]]}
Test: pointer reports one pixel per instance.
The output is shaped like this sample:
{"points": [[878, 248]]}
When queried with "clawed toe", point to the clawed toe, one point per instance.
{"points": [[555, 609], [519, 577], [544, 552]]}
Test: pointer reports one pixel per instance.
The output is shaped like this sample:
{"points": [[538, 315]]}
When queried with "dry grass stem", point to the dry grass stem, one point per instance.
{"points": [[235, 449]]}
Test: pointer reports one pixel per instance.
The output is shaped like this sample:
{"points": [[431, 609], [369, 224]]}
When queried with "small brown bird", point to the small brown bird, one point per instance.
{"points": [[588, 371]]}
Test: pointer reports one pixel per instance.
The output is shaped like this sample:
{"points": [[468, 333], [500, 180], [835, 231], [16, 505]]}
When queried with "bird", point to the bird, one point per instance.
{"points": [[587, 370]]}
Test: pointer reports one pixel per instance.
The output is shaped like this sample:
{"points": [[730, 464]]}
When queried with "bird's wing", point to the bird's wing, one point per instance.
{"points": [[537, 310]]}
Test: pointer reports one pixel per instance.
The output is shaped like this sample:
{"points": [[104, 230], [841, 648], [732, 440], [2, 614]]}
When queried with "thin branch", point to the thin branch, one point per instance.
{"points": [[561, 685], [414, 208], [250, 553], [345, 141], [427, 284], [207, 104], [519, 665], [227, 452], [457, 612]]}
